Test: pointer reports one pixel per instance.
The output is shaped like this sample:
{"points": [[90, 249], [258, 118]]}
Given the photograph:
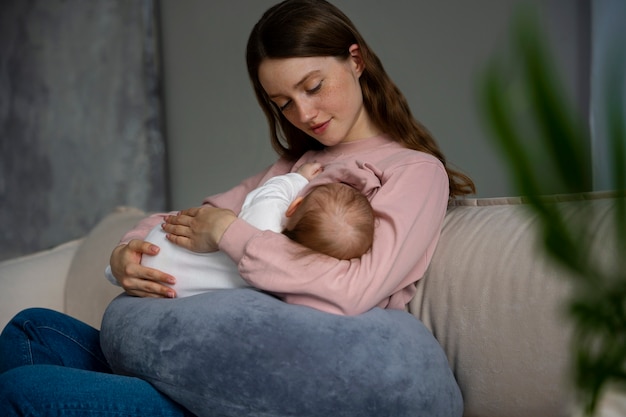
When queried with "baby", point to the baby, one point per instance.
{"points": [[334, 219]]}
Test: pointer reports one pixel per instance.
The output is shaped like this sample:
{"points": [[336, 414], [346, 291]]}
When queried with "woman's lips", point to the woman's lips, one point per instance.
{"points": [[320, 128]]}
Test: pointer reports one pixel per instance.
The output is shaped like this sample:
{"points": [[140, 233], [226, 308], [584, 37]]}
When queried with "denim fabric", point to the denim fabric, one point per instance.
{"points": [[39, 336], [52, 365], [244, 353]]}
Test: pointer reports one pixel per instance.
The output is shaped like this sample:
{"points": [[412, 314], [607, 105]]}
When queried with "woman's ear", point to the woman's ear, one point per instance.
{"points": [[293, 206], [357, 59]]}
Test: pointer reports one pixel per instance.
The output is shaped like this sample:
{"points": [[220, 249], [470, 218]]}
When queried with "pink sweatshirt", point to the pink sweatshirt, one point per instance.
{"points": [[408, 191]]}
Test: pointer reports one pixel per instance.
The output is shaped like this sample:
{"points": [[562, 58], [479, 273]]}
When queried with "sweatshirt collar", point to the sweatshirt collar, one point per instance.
{"points": [[359, 145]]}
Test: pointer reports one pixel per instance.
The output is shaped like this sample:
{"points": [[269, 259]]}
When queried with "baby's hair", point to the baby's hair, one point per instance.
{"points": [[334, 219]]}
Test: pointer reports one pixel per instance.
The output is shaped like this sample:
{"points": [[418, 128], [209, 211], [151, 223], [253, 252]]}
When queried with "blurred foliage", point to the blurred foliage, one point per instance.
{"points": [[546, 146]]}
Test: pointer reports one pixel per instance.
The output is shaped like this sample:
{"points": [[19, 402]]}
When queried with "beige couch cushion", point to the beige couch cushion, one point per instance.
{"points": [[87, 292], [36, 280], [495, 302]]}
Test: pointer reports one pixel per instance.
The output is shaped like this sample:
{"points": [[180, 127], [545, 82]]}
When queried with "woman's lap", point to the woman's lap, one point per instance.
{"points": [[52, 364], [244, 353], [232, 353], [52, 390]]}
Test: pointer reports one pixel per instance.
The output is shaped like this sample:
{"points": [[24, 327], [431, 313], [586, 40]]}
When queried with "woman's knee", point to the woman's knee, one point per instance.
{"points": [[14, 340], [44, 336], [36, 315]]}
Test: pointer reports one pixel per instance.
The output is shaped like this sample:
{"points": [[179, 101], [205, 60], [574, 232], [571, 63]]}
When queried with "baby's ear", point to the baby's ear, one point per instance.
{"points": [[293, 206]]}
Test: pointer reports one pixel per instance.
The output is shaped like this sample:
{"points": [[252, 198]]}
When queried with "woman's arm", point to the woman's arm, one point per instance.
{"points": [[125, 262], [410, 207]]}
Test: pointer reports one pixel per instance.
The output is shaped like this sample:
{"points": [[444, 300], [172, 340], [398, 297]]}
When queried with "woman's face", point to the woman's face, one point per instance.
{"points": [[320, 96]]}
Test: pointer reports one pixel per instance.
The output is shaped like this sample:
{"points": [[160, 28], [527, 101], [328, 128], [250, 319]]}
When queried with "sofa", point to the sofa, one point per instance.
{"points": [[491, 297]]}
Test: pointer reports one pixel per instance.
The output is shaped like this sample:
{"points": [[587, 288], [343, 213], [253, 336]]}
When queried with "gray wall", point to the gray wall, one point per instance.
{"points": [[434, 51], [80, 121]]}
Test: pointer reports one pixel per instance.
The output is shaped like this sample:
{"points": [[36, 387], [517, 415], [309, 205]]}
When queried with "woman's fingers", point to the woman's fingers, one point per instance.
{"points": [[198, 229], [135, 278], [180, 240], [179, 225], [183, 218], [191, 212], [159, 292], [148, 282], [178, 230]]}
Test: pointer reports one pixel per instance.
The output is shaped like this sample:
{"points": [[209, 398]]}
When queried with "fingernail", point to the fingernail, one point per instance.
{"points": [[170, 294]]}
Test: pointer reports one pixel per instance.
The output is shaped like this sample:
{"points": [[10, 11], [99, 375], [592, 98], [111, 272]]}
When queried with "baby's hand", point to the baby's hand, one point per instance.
{"points": [[310, 170]]}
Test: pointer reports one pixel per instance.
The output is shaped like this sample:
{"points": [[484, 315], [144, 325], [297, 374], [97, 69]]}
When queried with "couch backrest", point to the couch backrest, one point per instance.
{"points": [[87, 292], [495, 301]]}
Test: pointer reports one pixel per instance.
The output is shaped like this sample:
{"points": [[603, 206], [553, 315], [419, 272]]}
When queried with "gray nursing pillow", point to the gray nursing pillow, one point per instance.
{"points": [[245, 353]]}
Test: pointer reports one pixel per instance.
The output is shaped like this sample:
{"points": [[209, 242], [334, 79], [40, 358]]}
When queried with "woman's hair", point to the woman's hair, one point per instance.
{"points": [[334, 219], [310, 28]]}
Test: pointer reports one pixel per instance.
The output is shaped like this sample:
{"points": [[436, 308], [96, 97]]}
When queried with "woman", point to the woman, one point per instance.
{"points": [[328, 99]]}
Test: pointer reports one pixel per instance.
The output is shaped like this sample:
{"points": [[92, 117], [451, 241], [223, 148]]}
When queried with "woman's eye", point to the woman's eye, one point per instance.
{"points": [[315, 89], [284, 106]]}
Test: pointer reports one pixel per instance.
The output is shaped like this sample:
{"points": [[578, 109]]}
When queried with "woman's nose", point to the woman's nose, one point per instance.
{"points": [[306, 111]]}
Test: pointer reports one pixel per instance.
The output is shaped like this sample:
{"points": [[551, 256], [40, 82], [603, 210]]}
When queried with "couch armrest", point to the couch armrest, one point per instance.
{"points": [[35, 280]]}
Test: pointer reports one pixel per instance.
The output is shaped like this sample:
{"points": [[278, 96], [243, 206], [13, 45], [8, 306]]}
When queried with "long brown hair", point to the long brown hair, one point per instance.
{"points": [[309, 28]]}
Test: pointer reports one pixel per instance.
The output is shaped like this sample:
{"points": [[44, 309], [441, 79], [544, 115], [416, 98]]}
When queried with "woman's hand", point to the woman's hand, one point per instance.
{"points": [[136, 279], [198, 229]]}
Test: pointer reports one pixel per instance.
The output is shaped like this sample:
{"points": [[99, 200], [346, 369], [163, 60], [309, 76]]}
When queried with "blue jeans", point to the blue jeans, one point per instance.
{"points": [[52, 365]]}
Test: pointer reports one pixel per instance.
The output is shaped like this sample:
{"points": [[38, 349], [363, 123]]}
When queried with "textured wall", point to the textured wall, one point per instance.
{"points": [[80, 119]]}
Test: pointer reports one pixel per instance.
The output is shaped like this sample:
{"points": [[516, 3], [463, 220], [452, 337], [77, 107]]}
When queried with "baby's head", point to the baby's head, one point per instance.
{"points": [[334, 219]]}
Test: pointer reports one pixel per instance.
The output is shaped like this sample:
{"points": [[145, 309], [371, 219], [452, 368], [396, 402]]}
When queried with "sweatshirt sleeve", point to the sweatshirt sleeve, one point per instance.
{"points": [[231, 199], [410, 206]]}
